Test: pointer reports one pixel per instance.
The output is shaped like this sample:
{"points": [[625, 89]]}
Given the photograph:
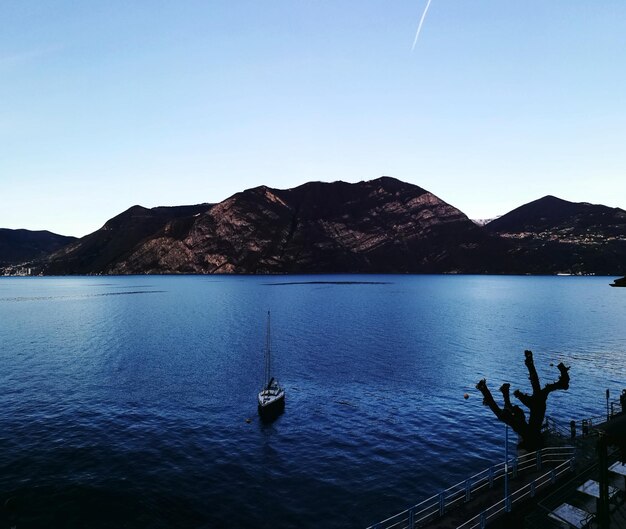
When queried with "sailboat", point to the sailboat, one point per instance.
{"points": [[272, 397]]}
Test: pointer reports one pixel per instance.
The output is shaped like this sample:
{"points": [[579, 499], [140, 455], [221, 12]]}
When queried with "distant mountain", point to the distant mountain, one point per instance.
{"points": [[482, 222], [19, 246], [551, 235], [383, 225]]}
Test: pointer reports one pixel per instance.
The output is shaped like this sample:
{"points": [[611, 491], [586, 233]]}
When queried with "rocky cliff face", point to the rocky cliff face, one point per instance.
{"points": [[379, 226], [551, 235]]}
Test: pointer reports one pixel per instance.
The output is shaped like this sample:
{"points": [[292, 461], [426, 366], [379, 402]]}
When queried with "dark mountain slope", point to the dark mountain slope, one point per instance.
{"points": [[100, 250], [20, 246], [552, 235]]}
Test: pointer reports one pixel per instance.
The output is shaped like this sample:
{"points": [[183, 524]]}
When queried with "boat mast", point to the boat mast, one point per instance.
{"points": [[268, 360]]}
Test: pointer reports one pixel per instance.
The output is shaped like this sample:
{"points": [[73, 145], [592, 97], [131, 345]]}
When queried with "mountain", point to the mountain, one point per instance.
{"points": [[383, 225], [379, 226], [19, 246], [551, 235], [101, 250]]}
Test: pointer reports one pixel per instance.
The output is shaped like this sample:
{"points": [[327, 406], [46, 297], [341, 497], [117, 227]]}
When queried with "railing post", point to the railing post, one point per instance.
{"points": [[571, 464], [491, 477], [532, 488], [553, 477], [483, 520], [538, 459], [468, 490], [585, 427], [442, 503], [572, 429], [412, 518]]}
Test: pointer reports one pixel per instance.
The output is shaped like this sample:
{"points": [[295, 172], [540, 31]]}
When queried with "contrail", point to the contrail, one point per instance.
{"points": [[419, 27]]}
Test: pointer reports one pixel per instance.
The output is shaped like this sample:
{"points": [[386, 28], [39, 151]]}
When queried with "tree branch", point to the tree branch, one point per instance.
{"points": [[532, 372], [488, 399], [505, 389], [561, 383], [512, 415], [517, 414], [524, 398]]}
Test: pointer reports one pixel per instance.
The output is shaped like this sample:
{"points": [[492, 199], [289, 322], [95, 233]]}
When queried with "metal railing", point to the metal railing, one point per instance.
{"points": [[616, 407], [584, 427], [556, 428], [527, 491], [436, 506]]}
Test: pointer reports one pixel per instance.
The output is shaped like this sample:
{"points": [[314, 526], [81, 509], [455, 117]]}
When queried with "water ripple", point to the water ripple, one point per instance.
{"points": [[83, 296]]}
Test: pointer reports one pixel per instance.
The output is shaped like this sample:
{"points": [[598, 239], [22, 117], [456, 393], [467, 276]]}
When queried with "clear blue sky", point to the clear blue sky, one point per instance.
{"points": [[108, 104]]}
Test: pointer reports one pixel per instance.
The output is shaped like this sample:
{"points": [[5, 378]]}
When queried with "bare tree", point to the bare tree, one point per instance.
{"points": [[529, 430]]}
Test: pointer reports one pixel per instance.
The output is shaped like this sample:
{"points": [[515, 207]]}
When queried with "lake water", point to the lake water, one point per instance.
{"points": [[124, 399]]}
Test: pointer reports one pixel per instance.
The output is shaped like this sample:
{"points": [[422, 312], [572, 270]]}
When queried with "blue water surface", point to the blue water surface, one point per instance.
{"points": [[124, 400]]}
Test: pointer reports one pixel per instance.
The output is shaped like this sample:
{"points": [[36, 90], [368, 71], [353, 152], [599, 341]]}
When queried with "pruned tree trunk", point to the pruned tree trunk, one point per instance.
{"points": [[529, 430]]}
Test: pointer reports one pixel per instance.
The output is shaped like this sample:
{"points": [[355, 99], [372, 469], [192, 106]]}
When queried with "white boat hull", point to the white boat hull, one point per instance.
{"points": [[271, 399]]}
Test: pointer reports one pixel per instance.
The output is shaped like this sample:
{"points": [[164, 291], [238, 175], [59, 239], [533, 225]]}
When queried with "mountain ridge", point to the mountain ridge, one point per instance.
{"points": [[383, 225], [315, 227]]}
